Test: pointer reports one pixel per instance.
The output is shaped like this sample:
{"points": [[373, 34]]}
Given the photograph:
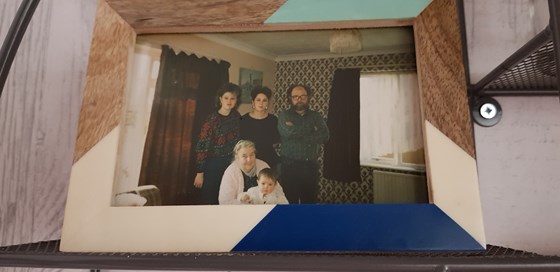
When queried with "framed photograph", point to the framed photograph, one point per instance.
{"points": [[248, 80], [132, 186]]}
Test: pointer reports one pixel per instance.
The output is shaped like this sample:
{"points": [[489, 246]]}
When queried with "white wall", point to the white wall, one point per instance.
{"points": [[139, 102], [519, 157], [496, 29], [518, 162], [38, 117]]}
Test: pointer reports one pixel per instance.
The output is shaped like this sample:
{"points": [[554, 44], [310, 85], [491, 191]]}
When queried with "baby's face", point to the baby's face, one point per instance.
{"points": [[266, 185]]}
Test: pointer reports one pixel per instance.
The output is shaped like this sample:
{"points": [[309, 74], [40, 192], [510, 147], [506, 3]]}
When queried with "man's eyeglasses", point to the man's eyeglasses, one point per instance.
{"points": [[298, 97]]}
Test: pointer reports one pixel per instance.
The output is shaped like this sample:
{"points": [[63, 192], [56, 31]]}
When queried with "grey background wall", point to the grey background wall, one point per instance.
{"points": [[38, 117], [519, 157], [40, 104]]}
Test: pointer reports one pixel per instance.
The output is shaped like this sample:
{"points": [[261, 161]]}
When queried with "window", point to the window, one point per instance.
{"points": [[390, 121]]}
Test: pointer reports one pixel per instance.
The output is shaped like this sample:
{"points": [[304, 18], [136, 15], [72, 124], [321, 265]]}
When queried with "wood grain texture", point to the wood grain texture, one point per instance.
{"points": [[162, 14], [273, 27], [38, 117], [171, 16], [441, 72], [14, 199], [104, 93]]}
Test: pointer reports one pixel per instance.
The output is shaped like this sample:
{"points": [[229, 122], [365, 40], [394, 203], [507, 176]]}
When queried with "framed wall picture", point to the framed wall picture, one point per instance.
{"points": [[123, 117], [248, 80]]}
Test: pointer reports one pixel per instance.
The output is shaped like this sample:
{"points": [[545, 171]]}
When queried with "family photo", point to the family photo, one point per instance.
{"points": [[294, 117]]}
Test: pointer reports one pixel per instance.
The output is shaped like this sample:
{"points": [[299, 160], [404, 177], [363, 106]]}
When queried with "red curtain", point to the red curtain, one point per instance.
{"points": [[184, 95]]}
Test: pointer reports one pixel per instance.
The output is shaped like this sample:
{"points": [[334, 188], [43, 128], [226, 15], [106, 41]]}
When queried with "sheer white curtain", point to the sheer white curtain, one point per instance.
{"points": [[390, 121]]}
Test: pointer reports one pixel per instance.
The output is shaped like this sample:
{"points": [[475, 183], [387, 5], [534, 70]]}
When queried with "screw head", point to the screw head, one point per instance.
{"points": [[488, 111]]}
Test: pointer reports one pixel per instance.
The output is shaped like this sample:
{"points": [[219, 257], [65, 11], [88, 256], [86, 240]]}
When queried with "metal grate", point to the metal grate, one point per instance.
{"points": [[47, 255], [537, 71], [531, 70], [52, 248]]}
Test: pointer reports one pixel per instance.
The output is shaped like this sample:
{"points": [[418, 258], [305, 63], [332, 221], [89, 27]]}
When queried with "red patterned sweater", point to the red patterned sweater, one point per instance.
{"points": [[218, 136]]}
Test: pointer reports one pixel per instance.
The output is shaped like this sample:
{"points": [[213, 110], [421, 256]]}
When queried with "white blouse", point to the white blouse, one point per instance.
{"points": [[232, 183]]}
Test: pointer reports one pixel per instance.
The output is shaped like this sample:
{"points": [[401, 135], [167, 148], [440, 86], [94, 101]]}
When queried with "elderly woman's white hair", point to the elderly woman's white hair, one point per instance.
{"points": [[243, 144]]}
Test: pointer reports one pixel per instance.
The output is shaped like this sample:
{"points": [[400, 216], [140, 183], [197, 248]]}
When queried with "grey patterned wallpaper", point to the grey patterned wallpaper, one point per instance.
{"points": [[318, 74]]}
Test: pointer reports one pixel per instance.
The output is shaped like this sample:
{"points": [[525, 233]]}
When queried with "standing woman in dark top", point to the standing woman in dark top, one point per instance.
{"points": [[218, 136], [261, 128]]}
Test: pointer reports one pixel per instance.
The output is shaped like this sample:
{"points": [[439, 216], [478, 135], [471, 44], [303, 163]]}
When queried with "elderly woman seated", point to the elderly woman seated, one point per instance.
{"points": [[241, 174]]}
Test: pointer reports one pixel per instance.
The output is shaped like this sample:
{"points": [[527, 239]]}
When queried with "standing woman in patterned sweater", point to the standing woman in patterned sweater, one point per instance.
{"points": [[218, 136]]}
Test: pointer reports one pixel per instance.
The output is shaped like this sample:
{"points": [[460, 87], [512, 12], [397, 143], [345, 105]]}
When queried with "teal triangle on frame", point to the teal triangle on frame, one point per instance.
{"points": [[309, 11]]}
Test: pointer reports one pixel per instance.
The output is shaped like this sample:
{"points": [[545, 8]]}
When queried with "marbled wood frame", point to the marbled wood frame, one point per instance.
{"points": [[453, 220]]}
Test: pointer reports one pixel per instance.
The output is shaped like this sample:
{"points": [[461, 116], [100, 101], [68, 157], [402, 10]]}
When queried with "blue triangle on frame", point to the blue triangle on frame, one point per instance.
{"points": [[362, 227], [307, 11]]}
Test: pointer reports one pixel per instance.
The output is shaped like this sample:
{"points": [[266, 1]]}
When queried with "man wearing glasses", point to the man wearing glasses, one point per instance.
{"points": [[302, 131]]}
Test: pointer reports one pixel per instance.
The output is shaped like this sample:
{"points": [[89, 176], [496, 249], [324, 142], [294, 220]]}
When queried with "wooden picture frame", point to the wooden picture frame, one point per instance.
{"points": [[452, 220]]}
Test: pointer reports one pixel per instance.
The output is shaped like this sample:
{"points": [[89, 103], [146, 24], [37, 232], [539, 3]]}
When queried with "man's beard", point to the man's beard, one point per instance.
{"points": [[301, 106]]}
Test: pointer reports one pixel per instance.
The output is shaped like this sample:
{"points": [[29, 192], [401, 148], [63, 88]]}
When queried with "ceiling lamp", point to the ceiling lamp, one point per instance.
{"points": [[345, 41]]}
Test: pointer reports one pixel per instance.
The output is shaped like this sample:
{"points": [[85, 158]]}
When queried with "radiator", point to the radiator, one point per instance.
{"points": [[389, 187]]}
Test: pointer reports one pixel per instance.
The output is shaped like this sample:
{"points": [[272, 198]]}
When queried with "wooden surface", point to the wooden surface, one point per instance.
{"points": [[40, 106], [39, 115], [441, 73], [156, 15], [170, 16], [106, 78]]}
